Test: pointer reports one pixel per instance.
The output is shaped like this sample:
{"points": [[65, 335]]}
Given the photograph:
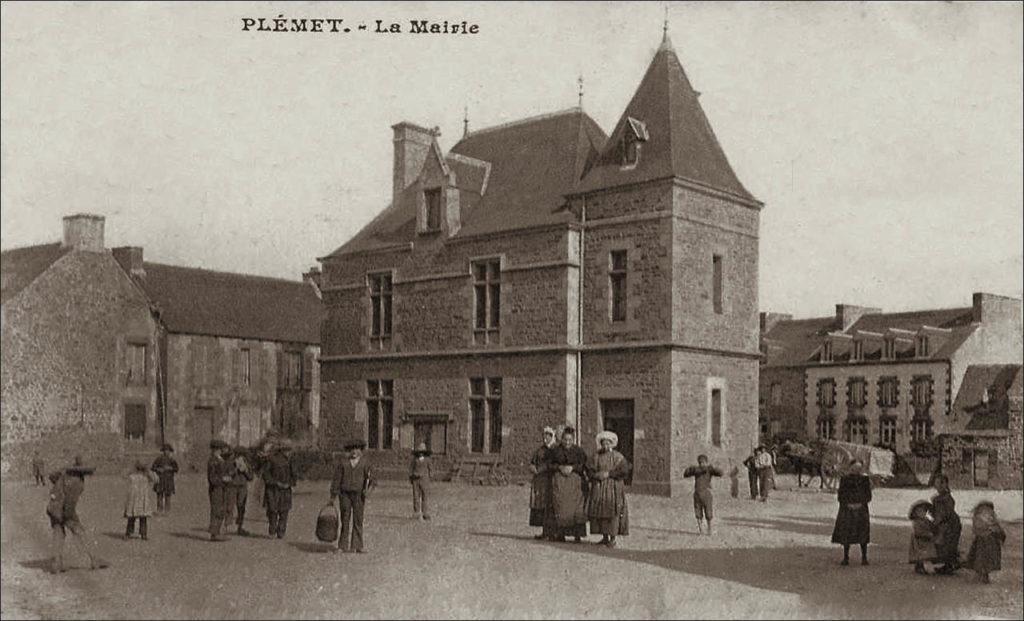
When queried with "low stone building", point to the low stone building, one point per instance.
{"points": [[985, 452], [108, 356]]}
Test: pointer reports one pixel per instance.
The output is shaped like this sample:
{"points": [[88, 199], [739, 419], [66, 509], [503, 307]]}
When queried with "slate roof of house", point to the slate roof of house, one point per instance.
{"points": [[798, 342], [20, 266], [681, 142], [198, 301], [511, 176], [1001, 381]]}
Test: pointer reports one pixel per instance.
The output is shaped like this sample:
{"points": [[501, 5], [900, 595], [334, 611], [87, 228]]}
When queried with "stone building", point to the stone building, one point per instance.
{"points": [[984, 449], [77, 357], [545, 273], [106, 355], [877, 378]]}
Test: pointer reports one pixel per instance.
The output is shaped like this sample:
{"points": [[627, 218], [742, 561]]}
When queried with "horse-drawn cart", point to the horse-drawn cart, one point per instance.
{"points": [[877, 461]]}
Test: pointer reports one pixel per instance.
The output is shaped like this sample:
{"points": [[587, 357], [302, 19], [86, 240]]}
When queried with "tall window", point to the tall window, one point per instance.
{"points": [[380, 306], [630, 149], [921, 392], [245, 367], [889, 349], [717, 283], [380, 423], [716, 417], [134, 421], [858, 350], [826, 351], [826, 393], [826, 428], [617, 284], [487, 300], [776, 393], [921, 346], [485, 414], [857, 430], [432, 205], [856, 392], [888, 392], [887, 431], [921, 428], [136, 363]]}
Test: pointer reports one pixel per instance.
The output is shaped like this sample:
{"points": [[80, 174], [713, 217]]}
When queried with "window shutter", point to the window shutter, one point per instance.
{"points": [[307, 370]]}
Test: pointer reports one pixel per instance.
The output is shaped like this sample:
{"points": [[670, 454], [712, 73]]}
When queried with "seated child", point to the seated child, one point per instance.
{"points": [[922, 544], [702, 499], [987, 548]]}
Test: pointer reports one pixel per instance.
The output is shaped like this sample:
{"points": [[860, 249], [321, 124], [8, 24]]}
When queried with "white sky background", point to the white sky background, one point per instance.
{"points": [[885, 139]]}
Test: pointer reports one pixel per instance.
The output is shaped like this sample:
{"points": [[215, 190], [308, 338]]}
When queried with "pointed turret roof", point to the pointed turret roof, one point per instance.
{"points": [[679, 142]]}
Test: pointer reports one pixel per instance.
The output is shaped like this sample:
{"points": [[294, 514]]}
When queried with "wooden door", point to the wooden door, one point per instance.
{"points": [[617, 417]]}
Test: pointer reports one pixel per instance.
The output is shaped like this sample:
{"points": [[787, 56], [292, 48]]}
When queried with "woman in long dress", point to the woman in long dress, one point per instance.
{"points": [[853, 522], [947, 527], [540, 489], [567, 516], [606, 505]]}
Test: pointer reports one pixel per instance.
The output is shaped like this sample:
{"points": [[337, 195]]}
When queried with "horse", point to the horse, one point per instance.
{"points": [[809, 459]]}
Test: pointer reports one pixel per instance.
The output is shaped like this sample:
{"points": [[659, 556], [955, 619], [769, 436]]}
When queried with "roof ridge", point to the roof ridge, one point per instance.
{"points": [[523, 121], [224, 273], [16, 248], [919, 311]]}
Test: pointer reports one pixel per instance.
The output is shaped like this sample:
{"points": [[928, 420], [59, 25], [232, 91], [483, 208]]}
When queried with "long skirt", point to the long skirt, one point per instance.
{"points": [[947, 541], [540, 498], [986, 554], [567, 515], [853, 526], [607, 508]]}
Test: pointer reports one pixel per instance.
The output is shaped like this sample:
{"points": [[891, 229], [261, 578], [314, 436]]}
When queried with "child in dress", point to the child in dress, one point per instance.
{"points": [[987, 548], [140, 500], [922, 544]]}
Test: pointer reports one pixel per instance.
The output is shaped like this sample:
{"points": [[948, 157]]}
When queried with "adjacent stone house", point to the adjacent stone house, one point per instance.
{"points": [[109, 356], [885, 379], [545, 273], [984, 451]]}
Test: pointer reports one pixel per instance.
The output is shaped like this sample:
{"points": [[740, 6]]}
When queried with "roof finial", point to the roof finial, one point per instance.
{"points": [[666, 43], [465, 120], [579, 81]]}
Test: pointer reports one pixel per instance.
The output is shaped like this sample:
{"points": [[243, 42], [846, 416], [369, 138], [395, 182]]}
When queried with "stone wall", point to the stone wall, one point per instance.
{"points": [[64, 348], [1002, 453]]}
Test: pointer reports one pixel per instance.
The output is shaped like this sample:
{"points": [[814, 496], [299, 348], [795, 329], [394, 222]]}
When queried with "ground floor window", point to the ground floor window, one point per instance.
{"points": [[921, 429], [826, 428], [134, 421], [380, 426], [857, 430], [432, 432], [485, 415]]}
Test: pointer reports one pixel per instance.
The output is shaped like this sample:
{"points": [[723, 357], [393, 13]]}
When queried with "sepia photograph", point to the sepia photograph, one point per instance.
{"points": [[511, 310]]}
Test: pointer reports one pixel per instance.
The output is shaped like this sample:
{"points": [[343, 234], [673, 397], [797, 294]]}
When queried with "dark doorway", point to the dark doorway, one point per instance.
{"points": [[617, 417]]}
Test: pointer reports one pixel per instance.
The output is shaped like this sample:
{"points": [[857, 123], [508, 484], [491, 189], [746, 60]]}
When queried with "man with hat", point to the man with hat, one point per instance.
{"points": [[238, 488], [764, 464], [165, 468], [218, 476], [419, 476], [63, 512], [279, 476], [351, 481]]}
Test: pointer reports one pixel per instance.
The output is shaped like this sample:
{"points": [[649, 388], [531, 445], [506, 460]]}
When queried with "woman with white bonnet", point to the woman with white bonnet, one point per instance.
{"points": [[606, 507], [540, 489]]}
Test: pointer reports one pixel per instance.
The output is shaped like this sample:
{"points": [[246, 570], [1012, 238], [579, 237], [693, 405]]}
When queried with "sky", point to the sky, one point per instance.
{"points": [[884, 139]]}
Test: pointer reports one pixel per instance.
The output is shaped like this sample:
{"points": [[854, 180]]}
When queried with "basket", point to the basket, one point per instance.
{"points": [[327, 524]]}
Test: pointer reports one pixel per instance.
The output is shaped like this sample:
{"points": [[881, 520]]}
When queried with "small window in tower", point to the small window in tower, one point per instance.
{"points": [[432, 205]]}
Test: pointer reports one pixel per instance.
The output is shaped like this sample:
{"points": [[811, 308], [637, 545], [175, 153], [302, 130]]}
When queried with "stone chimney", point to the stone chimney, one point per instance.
{"points": [[768, 320], [848, 314], [989, 308], [83, 231], [130, 258], [315, 279], [412, 144]]}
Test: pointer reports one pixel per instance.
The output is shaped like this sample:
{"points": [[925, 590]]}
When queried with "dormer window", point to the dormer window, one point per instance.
{"points": [[889, 349], [826, 351], [432, 209], [858, 350], [636, 133], [921, 346]]}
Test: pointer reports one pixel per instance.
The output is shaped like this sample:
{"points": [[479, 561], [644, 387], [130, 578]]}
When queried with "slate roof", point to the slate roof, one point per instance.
{"points": [[531, 165], [198, 301], [1001, 381], [681, 142], [798, 342], [20, 266]]}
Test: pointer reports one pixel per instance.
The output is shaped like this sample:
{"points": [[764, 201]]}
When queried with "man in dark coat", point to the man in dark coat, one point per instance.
{"points": [[218, 477], [947, 527], [241, 474], [62, 510], [280, 477], [165, 468], [752, 479], [853, 522], [352, 480]]}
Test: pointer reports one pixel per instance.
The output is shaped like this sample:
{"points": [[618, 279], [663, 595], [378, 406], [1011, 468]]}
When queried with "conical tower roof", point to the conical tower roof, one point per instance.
{"points": [[679, 140]]}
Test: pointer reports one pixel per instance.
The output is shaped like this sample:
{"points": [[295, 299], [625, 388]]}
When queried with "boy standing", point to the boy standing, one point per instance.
{"points": [[702, 499], [348, 493], [218, 478], [419, 476], [63, 513], [280, 477], [165, 467], [241, 475]]}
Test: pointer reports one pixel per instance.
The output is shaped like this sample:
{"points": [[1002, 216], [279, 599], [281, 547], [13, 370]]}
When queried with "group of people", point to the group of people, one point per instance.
{"points": [[569, 489], [760, 466], [935, 537]]}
